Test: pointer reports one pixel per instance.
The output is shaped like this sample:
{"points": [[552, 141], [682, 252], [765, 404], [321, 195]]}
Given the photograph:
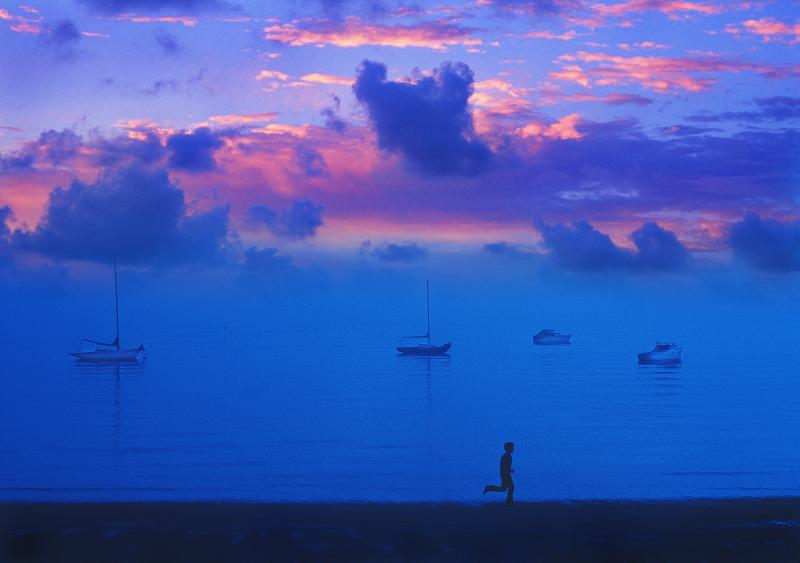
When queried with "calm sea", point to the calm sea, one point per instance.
{"points": [[323, 409]]}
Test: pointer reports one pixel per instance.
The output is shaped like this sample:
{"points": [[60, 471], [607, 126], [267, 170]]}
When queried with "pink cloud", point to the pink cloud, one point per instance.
{"points": [[563, 129], [572, 73], [498, 100], [320, 78], [22, 24], [660, 74], [565, 36], [672, 8], [553, 97], [26, 27], [272, 75], [642, 45], [239, 119], [503, 86], [769, 30], [353, 32]]}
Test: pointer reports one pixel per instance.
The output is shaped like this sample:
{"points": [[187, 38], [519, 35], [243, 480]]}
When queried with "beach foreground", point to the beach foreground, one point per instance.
{"points": [[729, 530]]}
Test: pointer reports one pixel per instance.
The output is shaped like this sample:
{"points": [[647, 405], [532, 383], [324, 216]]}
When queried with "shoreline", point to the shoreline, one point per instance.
{"points": [[750, 529]]}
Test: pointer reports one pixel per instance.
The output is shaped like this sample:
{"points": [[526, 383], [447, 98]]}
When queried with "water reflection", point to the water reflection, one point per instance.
{"points": [[110, 374], [666, 384], [423, 366]]}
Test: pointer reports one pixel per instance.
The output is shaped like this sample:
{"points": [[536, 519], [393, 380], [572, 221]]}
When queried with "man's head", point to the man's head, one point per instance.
{"points": [[509, 447]]}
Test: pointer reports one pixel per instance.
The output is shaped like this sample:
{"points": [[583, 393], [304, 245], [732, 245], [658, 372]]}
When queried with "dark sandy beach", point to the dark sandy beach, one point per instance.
{"points": [[727, 530]]}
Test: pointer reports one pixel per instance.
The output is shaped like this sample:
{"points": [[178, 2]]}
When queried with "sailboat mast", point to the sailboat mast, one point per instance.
{"points": [[116, 300], [428, 307]]}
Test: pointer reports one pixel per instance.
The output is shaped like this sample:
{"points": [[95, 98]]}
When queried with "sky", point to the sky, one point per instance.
{"points": [[299, 139]]}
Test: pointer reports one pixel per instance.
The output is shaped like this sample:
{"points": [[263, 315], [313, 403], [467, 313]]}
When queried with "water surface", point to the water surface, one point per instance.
{"points": [[321, 410]]}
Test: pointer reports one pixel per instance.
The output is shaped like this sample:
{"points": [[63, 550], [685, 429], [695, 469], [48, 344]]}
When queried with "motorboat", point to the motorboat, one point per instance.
{"points": [[109, 352], [665, 353], [408, 347], [548, 336]]}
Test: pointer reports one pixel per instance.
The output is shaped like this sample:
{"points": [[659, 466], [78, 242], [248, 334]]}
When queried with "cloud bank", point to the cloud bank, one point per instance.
{"points": [[139, 215], [581, 247], [766, 244], [300, 221]]}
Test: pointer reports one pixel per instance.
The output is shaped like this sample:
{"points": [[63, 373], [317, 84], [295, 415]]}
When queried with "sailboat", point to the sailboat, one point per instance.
{"points": [[112, 352], [423, 349]]}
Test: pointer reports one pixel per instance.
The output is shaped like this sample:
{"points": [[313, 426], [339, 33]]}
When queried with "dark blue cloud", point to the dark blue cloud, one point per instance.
{"points": [[536, 7], [177, 6], [776, 108], [300, 221], [6, 256], [766, 244], [5, 215], [137, 214], [658, 249], [428, 121], [53, 147], [581, 247], [503, 248], [720, 172], [393, 252], [202, 237], [14, 162], [266, 261], [168, 43], [336, 9], [779, 108], [311, 161], [63, 32], [62, 39], [193, 151], [161, 85], [126, 150], [331, 115], [58, 147], [688, 130]]}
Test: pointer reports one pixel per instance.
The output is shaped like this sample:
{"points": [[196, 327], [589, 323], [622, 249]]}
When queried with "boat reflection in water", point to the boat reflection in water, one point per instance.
{"points": [[425, 367], [665, 353], [407, 346], [106, 380]]}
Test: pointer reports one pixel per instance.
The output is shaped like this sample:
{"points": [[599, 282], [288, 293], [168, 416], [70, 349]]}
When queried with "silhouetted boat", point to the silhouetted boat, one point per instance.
{"points": [[112, 351], [549, 336], [423, 349], [663, 354]]}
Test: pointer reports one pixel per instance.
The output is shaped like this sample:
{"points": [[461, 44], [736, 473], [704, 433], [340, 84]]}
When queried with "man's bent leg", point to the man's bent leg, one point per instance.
{"points": [[494, 489]]}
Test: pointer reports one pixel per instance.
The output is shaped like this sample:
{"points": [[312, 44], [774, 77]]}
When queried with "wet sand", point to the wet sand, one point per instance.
{"points": [[718, 530]]}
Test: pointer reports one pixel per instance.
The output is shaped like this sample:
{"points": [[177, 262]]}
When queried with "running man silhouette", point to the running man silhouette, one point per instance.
{"points": [[505, 475]]}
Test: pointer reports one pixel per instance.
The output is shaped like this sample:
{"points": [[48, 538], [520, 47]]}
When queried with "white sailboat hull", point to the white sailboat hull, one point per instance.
{"points": [[110, 356]]}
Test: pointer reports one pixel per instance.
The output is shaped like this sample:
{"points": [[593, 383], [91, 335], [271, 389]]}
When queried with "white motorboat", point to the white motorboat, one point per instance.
{"points": [[549, 336], [664, 353], [111, 352]]}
